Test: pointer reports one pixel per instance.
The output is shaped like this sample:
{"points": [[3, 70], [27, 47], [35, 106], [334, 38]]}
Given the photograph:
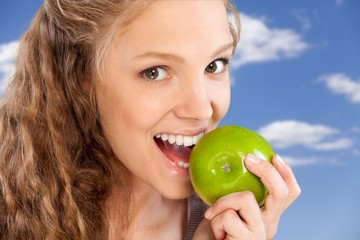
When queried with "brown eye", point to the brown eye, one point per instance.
{"points": [[154, 73], [217, 66]]}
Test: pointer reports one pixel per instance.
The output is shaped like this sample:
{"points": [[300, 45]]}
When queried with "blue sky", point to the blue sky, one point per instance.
{"points": [[296, 80]]}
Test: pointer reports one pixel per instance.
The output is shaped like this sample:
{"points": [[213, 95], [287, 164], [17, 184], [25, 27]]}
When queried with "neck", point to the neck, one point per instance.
{"points": [[151, 215]]}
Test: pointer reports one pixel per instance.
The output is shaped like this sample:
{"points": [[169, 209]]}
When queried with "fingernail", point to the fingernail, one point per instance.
{"points": [[279, 159], [253, 158], [208, 213]]}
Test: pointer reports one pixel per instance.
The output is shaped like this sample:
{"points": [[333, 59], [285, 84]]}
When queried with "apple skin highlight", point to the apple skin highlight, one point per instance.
{"points": [[217, 163]]}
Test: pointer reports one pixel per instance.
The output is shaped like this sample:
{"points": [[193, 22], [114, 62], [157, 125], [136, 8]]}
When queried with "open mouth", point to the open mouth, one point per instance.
{"points": [[177, 148]]}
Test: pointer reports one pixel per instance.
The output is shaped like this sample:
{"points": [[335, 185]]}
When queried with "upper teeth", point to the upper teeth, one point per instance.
{"points": [[180, 140]]}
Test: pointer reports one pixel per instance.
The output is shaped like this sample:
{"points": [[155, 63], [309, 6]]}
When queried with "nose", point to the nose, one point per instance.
{"points": [[194, 101]]}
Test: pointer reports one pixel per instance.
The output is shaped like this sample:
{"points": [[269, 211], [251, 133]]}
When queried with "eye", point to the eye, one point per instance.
{"points": [[217, 66], [154, 73]]}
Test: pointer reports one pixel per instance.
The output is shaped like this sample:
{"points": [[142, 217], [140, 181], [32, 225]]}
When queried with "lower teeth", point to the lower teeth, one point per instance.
{"points": [[183, 165]]}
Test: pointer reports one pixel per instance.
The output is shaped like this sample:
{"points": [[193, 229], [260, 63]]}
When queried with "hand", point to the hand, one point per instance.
{"points": [[238, 216]]}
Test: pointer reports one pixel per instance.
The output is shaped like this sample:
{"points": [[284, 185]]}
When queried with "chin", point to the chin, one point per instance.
{"points": [[175, 194]]}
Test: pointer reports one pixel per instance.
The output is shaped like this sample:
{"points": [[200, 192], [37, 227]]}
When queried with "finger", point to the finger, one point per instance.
{"points": [[287, 174], [228, 225], [204, 230], [242, 202], [273, 181], [277, 200]]}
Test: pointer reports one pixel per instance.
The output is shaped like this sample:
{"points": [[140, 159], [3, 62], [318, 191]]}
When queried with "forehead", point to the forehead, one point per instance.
{"points": [[177, 25]]}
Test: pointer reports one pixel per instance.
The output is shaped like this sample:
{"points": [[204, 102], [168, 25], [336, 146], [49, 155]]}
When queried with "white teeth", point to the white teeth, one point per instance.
{"points": [[164, 137], [188, 141], [195, 138], [183, 165], [180, 139], [172, 139]]}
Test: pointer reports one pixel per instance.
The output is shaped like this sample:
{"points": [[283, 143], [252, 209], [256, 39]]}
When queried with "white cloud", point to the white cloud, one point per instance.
{"points": [[7, 58], [289, 133], [306, 161], [293, 161], [302, 17], [340, 83], [338, 144], [260, 43]]}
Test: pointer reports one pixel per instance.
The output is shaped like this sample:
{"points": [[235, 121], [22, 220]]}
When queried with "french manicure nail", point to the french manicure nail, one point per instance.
{"points": [[280, 160], [208, 213], [253, 159]]}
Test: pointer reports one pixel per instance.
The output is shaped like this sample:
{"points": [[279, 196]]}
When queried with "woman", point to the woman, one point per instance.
{"points": [[107, 99]]}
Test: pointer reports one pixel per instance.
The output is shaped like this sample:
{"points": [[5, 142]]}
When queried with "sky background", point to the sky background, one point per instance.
{"points": [[296, 80]]}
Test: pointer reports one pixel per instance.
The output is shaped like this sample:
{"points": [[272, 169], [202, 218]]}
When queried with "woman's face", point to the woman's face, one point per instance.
{"points": [[166, 76]]}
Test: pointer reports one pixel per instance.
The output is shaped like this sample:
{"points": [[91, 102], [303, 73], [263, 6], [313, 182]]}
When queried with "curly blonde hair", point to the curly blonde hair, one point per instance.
{"points": [[56, 167]]}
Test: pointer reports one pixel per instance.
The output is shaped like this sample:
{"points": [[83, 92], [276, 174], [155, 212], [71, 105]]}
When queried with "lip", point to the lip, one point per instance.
{"points": [[188, 132], [170, 165], [173, 168]]}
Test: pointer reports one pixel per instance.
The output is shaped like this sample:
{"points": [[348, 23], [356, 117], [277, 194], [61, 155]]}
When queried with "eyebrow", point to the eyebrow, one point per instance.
{"points": [[177, 58], [223, 49]]}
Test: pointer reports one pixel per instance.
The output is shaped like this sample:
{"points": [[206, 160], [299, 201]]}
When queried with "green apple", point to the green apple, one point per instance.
{"points": [[217, 163]]}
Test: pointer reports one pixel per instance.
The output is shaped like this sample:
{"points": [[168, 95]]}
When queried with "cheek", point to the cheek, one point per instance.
{"points": [[140, 114], [221, 101], [125, 112], [125, 118]]}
